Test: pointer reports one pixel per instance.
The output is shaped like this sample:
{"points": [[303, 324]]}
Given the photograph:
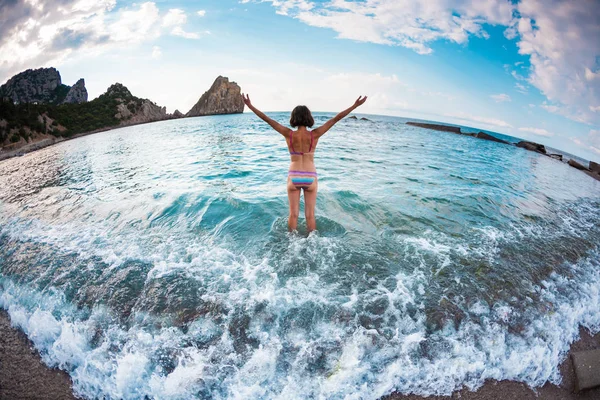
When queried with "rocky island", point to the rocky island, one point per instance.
{"points": [[223, 97], [37, 109]]}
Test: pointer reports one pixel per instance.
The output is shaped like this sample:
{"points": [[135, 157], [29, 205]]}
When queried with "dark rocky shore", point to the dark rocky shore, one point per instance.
{"points": [[592, 170], [24, 376], [510, 390]]}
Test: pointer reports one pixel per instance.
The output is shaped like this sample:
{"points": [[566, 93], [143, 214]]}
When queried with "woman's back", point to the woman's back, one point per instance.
{"points": [[301, 144]]}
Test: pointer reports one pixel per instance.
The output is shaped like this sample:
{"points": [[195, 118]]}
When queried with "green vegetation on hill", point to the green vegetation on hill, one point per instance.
{"points": [[60, 93], [76, 118]]}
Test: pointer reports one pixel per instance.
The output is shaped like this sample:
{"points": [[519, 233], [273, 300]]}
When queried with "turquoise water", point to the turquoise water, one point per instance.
{"points": [[154, 260]]}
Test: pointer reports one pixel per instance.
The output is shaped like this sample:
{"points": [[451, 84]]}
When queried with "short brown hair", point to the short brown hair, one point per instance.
{"points": [[301, 116]]}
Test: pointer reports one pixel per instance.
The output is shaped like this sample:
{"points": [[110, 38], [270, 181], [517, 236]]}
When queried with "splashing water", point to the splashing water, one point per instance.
{"points": [[154, 261]]}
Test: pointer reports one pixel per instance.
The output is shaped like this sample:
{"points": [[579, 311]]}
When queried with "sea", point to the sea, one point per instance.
{"points": [[154, 261]]}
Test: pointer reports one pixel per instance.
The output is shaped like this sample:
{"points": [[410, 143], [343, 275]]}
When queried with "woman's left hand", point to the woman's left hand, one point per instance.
{"points": [[246, 100], [360, 101]]}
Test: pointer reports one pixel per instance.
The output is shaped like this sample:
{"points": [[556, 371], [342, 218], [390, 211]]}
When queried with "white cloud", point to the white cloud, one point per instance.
{"points": [[135, 25], [521, 88], [40, 33], [178, 31], [595, 109], [590, 76], [174, 17], [403, 23], [591, 142], [518, 77], [537, 131], [559, 37], [156, 52], [500, 98], [561, 40], [32, 34], [201, 13]]}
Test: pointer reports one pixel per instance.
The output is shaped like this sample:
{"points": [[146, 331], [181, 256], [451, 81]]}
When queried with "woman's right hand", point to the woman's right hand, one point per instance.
{"points": [[246, 100], [360, 101]]}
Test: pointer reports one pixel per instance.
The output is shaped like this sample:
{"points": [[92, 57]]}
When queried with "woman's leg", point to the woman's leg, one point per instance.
{"points": [[294, 198], [310, 201]]}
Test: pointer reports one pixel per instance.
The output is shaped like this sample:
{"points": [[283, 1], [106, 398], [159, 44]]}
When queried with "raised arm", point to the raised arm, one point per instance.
{"points": [[274, 124], [320, 131]]}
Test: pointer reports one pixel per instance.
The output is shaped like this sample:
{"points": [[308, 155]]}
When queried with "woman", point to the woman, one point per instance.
{"points": [[301, 144]]}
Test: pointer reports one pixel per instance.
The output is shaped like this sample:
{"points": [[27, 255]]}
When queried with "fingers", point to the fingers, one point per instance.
{"points": [[361, 99]]}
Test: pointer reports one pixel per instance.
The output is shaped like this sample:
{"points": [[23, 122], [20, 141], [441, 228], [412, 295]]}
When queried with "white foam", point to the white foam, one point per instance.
{"points": [[329, 354]]}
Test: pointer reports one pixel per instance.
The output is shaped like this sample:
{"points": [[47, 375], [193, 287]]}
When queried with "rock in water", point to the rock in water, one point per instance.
{"points": [[33, 86], [436, 127], [177, 114], [558, 157], [531, 146], [78, 93], [577, 165], [485, 136], [595, 167], [223, 97]]}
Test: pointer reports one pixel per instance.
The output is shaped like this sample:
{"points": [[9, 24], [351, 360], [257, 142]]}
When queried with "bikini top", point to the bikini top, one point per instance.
{"points": [[299, 153]]}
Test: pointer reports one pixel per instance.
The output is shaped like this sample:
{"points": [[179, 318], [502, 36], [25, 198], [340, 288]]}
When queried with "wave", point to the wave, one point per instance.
{"points": [[164, 277]]}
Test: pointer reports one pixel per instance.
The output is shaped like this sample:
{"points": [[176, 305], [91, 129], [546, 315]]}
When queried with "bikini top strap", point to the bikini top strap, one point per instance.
{"points": [[311, 141]]}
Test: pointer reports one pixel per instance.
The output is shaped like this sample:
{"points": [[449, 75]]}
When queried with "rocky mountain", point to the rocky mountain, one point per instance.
{"points": [[77, 94], [131, 110], [22, 124], [43, 85], [223, 97], [37, 108]]}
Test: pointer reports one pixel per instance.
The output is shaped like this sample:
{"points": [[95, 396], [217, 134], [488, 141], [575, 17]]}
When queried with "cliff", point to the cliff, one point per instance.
{"points": [[43, 85], [23, 124], [77, 94], [131, 110], [223, 97]]}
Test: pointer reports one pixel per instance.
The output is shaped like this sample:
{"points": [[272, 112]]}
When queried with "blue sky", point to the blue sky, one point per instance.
{"points": [[530, 68]]}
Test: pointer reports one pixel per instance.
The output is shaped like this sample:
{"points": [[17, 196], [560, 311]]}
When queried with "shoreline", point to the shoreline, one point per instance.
{"points": [[31, 147], [513, 390], [23, 375]]}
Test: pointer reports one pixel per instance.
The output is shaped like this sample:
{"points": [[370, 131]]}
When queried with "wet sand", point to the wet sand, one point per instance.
{"points": [[24, 376], [22, 373]]}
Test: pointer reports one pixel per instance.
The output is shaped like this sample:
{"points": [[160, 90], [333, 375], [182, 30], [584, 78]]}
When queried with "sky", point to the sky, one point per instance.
{"points": [[528, 68]]}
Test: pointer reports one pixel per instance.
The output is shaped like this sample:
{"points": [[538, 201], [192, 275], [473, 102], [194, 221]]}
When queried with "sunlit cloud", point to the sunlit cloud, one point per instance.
{"points": [[562, 66], [35, 34]]}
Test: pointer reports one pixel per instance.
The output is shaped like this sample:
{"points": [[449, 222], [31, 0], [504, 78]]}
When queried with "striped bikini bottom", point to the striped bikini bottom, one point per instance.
{"points": [[302, 179]]}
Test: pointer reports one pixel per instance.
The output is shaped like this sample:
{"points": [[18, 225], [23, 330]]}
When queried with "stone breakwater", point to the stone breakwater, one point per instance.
{"points": [[592, 170]]}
